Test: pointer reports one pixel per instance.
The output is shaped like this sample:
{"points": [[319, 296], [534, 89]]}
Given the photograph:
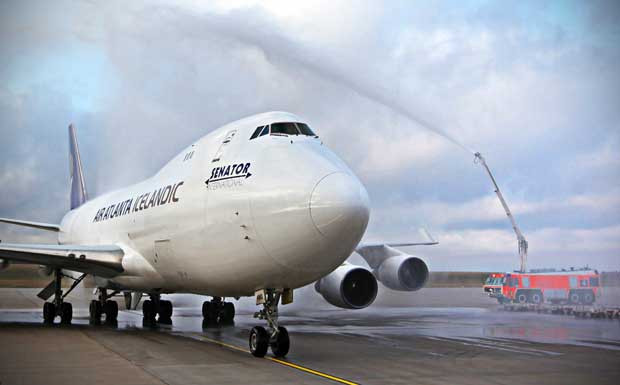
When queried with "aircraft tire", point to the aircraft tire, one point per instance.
{"points": [[165, 312], [259, 341], [165, 309], [148, 314], [148, 310], [110, 308], [207, 311], [228, 313], [66, 313], [282, 343], [49, 313], [164, 321], [94, 312]]}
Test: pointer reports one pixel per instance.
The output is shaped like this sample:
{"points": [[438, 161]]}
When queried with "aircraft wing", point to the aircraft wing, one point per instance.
{"points": [[103, 260], [36, 225], [376, 252], [365, 245], [372, 245]]}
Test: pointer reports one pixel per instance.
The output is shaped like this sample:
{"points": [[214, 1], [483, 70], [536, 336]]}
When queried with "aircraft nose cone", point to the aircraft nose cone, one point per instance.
{"points": [[339, 207]]}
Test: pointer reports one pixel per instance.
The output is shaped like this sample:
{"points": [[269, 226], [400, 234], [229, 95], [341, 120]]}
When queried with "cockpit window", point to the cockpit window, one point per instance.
{"points": [[256, 132], [284, 128], [304, 129]]}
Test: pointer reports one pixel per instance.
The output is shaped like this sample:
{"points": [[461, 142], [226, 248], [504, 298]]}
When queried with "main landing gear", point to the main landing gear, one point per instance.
{"points": [[277, 337], [103, 306], [156, 310], [217, 312], [58, 307]]}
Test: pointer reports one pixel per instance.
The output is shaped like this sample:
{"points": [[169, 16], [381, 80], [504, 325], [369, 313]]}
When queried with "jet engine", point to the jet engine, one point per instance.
{"points": [[349, 287], [4, 264], [393, 268], [402, 272]]}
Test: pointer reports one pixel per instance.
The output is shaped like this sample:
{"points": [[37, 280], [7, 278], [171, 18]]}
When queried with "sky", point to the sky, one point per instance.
{"points": [[403, 91]]}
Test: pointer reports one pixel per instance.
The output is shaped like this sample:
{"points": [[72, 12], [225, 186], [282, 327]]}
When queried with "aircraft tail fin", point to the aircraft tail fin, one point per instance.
{"points": [[78, 187]]}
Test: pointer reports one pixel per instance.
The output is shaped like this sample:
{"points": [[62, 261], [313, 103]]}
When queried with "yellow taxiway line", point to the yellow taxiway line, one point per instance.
{"points": [[311, 371], [282, 362]]}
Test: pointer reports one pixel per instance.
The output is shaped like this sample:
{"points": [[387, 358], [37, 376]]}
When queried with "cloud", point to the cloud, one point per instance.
{"points": [[604, 157], [488, 208]]}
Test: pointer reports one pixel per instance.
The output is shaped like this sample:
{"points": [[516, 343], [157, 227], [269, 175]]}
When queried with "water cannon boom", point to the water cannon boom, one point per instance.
{"points": [[520, 237]]}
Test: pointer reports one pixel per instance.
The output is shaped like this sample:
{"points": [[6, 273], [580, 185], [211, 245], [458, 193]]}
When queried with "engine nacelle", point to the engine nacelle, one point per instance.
{"points": [[402, 272], [349, 287], [4, 264]]}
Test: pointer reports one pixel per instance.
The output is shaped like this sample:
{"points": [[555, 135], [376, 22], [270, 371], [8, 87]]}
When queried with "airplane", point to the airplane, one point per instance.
{"points": [[256, 208]]}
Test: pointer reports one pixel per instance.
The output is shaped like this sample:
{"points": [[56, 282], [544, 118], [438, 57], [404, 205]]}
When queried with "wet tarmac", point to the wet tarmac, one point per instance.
{"points": [[378, 345]]}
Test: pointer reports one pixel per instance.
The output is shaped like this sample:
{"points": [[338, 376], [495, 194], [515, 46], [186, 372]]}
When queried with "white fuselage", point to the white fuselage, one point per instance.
{"points": [[278, 211]]}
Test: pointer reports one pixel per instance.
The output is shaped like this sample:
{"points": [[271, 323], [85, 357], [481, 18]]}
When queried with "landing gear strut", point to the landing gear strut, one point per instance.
{"points": [[277, 338], [101, 306], [217, 312], [156, 310], [58, 307]]}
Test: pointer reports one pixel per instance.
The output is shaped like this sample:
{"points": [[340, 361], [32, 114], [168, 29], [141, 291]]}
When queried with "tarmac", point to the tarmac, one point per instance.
{"points": [[434, 336]]}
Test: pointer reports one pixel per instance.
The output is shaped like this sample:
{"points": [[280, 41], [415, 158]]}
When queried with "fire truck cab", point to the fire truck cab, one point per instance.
{"points": [[493, 285], [565, 286]]}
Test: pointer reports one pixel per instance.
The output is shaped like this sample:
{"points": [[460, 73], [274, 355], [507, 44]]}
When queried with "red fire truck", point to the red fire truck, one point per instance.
{"points": [[545, 285]]}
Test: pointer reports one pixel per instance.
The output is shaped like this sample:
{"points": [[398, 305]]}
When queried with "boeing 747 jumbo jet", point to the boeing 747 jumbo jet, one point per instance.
{"points": [[258, 207]]}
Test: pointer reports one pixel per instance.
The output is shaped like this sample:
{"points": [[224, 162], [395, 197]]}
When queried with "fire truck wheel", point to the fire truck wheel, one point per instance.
{"points": [[588, 298], [574, 298], [536, 297], [521, 297]]}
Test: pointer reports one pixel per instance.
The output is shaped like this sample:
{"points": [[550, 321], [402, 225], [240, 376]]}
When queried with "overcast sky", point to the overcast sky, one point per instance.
{"points": [[534, 86]]}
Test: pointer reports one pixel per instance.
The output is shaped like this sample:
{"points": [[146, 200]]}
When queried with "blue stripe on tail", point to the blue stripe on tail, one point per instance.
{"points": [[78, 187]]}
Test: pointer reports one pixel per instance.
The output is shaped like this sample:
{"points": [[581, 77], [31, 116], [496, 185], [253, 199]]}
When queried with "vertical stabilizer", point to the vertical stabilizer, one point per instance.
{"points": [[78, 187]]}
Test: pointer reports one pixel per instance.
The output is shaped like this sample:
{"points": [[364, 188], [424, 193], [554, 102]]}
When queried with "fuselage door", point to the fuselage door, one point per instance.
{"points": [[220, 151]]}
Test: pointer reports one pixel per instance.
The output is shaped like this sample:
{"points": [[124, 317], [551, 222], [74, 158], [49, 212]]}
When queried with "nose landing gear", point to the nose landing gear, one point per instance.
{"points": [[277, 338]]}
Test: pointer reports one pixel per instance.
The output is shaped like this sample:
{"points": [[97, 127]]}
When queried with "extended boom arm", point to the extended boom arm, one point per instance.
{"points": [[520, 236]]}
